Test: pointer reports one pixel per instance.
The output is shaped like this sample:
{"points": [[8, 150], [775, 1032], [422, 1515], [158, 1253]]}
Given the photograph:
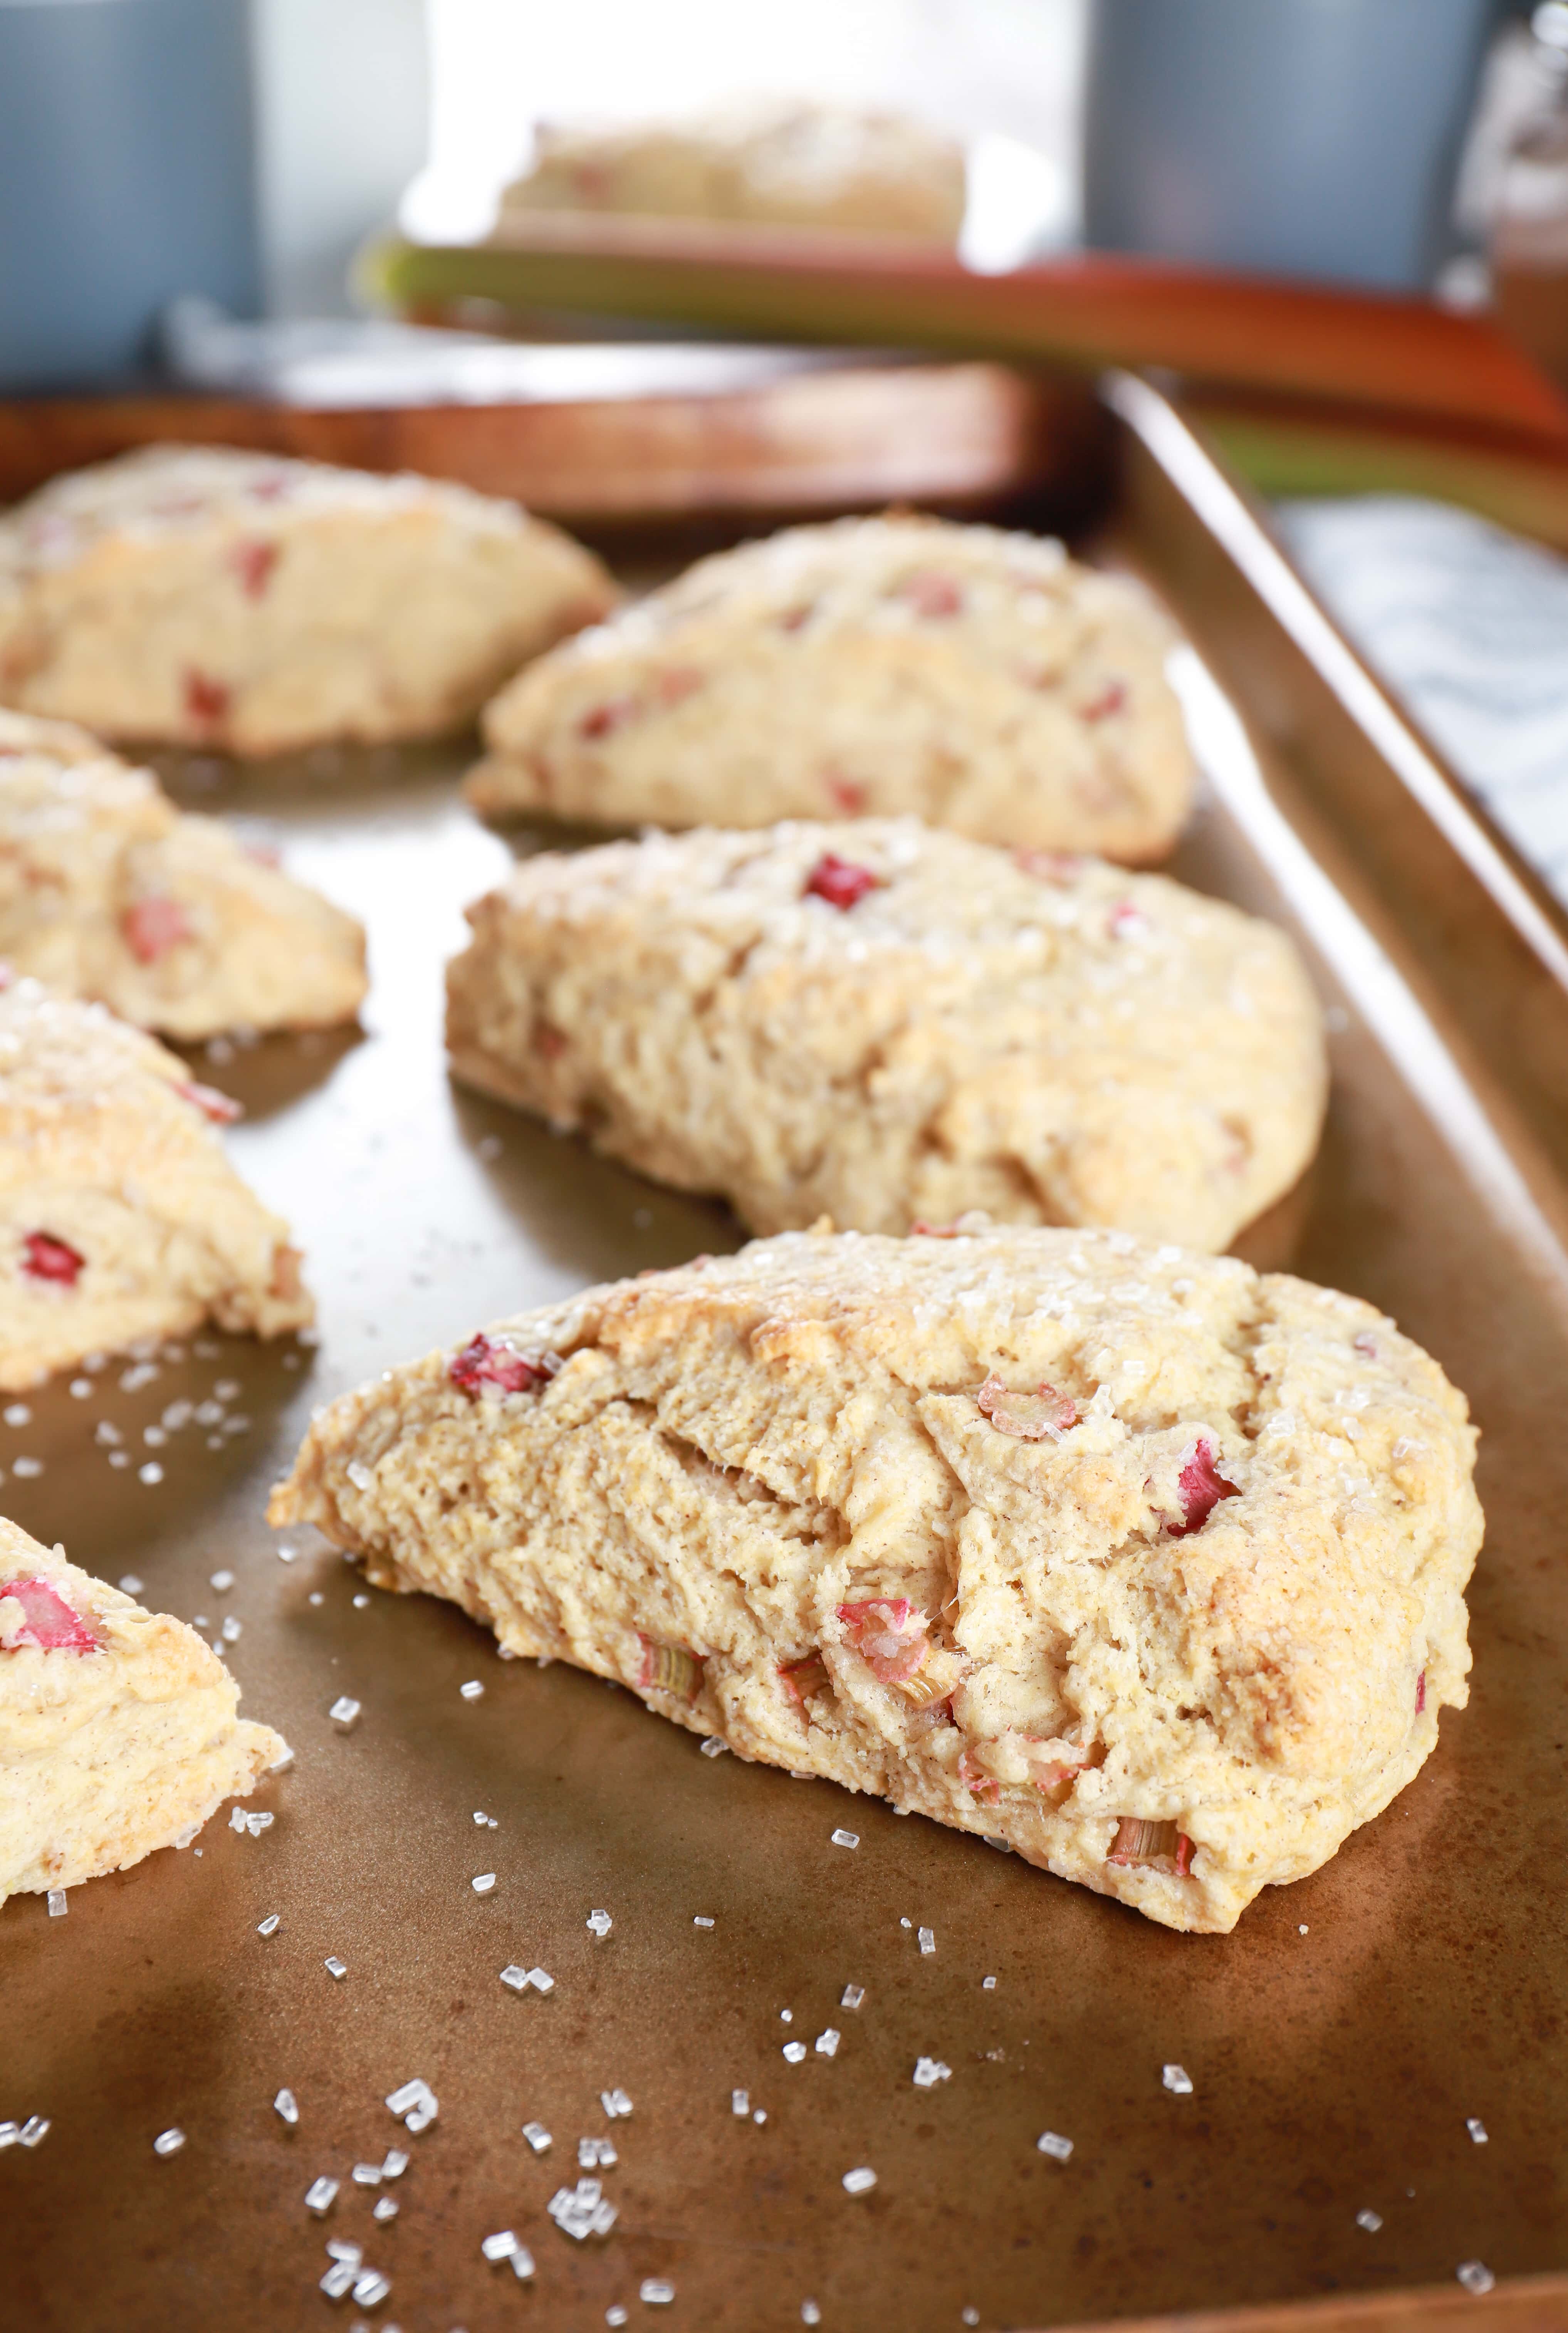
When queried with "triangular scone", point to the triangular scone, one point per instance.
{"points": [[1151, 1566], [202, 595], [120, 1216], [884, 1022], [982, 680], [118, 1730], [108, 891]]}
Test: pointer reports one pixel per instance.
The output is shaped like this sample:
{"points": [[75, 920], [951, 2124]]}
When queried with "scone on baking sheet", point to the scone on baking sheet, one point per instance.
{"points": [[120, 1216], [889, 1023], [108, 891], [982, 680], [201, 596], [118, 1726], [762, 162], [1149, 1565]]}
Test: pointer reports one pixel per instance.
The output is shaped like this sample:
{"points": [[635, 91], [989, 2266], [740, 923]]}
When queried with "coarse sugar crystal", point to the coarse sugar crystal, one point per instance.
{"points": [[371, 2288], [344, 1711], [928, 1937], [541, 1979], [852, 1996], [367, 2174], [601, 1923], [794, 2051], [318, 2195], [655, 2290], [339, 2248], [35, 2129], [537, 2137], [713, 1747], [169, 2142], [1177, 2079], [860, 2180], [9, 2134], [827, 2042], [416, 2103], [58, 1906], [515, 1976], [1475, 2276], [500, 2246], [287, 2105], [740, 2103], [222, 1581], [472, 1690], [615, 2102], [1477, 2128], [339, 2281], [232, 1629], [394, 2163], [846, 1839], [615, 2314], [700, 1920], [257, 1822], [267, 1928], [1052, 2142], [1370, 2221], [149, 1474], [928, 2072], [383, 2208], [130, 1585], [483, 1882], [335, 1967], [596, 2155], [987, 1985], [810, 2313], [522, 2263]]}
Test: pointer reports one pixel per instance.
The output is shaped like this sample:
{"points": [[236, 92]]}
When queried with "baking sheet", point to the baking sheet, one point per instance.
{"points": [[1336, 2044]]}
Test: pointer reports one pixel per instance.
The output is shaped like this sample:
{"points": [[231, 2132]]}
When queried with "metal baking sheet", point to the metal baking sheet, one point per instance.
{"points": [[1339, 2043]]}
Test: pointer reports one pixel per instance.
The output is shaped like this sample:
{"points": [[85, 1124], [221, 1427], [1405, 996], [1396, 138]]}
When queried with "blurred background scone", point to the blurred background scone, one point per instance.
{"points": [[200, 596], [981, 679], [886, 1023]]}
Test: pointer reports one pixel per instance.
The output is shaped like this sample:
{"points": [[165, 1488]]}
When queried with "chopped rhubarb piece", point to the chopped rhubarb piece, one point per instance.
{"points": [[38, 1615], [1041, 1416], [1061, 868], [1111, 699], [44, 1257], [1183, 1856], [668, 1668], [1138, 1841], [274, 487], [483, 1363], [677, 683], [266, 854], [920, 1229], [930, 593], [794, 619], [801, 1677], [221, 1108], [1366, 1345], [604, 720], [1126, 922], [254, 564], [548, 1041], [206, 699], [152, 926], [839, 882], [1200, 1489], [1421, 1692], [846, 795], [890, 1635], [977, 1781]]}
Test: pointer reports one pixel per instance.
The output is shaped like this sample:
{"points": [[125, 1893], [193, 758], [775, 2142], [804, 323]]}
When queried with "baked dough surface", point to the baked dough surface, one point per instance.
{"points": [[118, 1726], [201, 596], [109, 892], [120, 1216], [949, 1027], [770, 162], [982, 680], [1147, 1564]]}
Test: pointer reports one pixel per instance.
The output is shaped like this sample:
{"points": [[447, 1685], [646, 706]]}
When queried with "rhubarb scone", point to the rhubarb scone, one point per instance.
{"points": [[120, 1216], [202, 595], [982, 680], [891, 1024], [1150, 1566], [118, 1726], [763, 162], [108, 891]]}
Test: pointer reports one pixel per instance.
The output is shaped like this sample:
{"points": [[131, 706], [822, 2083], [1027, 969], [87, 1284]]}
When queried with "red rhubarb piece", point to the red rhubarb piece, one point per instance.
{"points": [[221, 1108], [801, 1677], [482, 1362], [1061, 868], [604, 720], [930, 593], [839, 881], [890, 1635], [1126, 922], [1111, 699], [254, 564], [1039, 1416], [44, 1257], [1421, 1692], [1366, 1345], [548, 1041], [1200, 1489], [668, 1668], [677, 683], [48, 1621], [846, 795], [206, 699], [152, 926]]}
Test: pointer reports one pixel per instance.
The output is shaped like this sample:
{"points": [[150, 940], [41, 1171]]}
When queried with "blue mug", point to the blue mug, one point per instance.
{"points": [[127, 176], [1311, 137]]}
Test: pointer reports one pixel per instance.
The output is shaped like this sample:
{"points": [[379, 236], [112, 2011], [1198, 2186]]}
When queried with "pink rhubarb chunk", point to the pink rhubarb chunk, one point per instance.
{"points": [[1040, 1417], [152, 926], [931, 594], [221, 1108], [1200, 1489], [48, 1621], [839, 881], [206, 699], [890, 1635], [482, 1363], [44, 1257], [254, 564]]}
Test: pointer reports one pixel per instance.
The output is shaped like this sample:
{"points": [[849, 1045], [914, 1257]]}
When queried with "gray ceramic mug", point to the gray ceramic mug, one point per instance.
{"points": [[127, 176], [1315, 138]]}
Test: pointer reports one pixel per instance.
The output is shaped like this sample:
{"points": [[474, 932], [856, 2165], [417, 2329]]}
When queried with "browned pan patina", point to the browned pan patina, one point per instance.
{"points": [[1337, 2043]]}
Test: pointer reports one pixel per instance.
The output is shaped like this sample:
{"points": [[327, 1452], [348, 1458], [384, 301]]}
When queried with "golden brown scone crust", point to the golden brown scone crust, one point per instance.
{"points": [[1172, 1555], [120, 1216], [982, 680], [109, 892], [1051, 1040], [109, 1753], [202, 595]]}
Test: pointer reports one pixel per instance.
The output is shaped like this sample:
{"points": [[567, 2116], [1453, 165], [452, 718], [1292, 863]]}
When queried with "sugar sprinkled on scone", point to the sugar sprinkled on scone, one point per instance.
{"points": [[203, 596], [983, 680], [107, 891], [1150, 1565], [889, 1023], [118, 1726], [120, 1216]]}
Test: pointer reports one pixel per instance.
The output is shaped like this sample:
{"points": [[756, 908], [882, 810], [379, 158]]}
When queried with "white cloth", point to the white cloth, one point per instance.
{"points": [[1470, 624]]}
